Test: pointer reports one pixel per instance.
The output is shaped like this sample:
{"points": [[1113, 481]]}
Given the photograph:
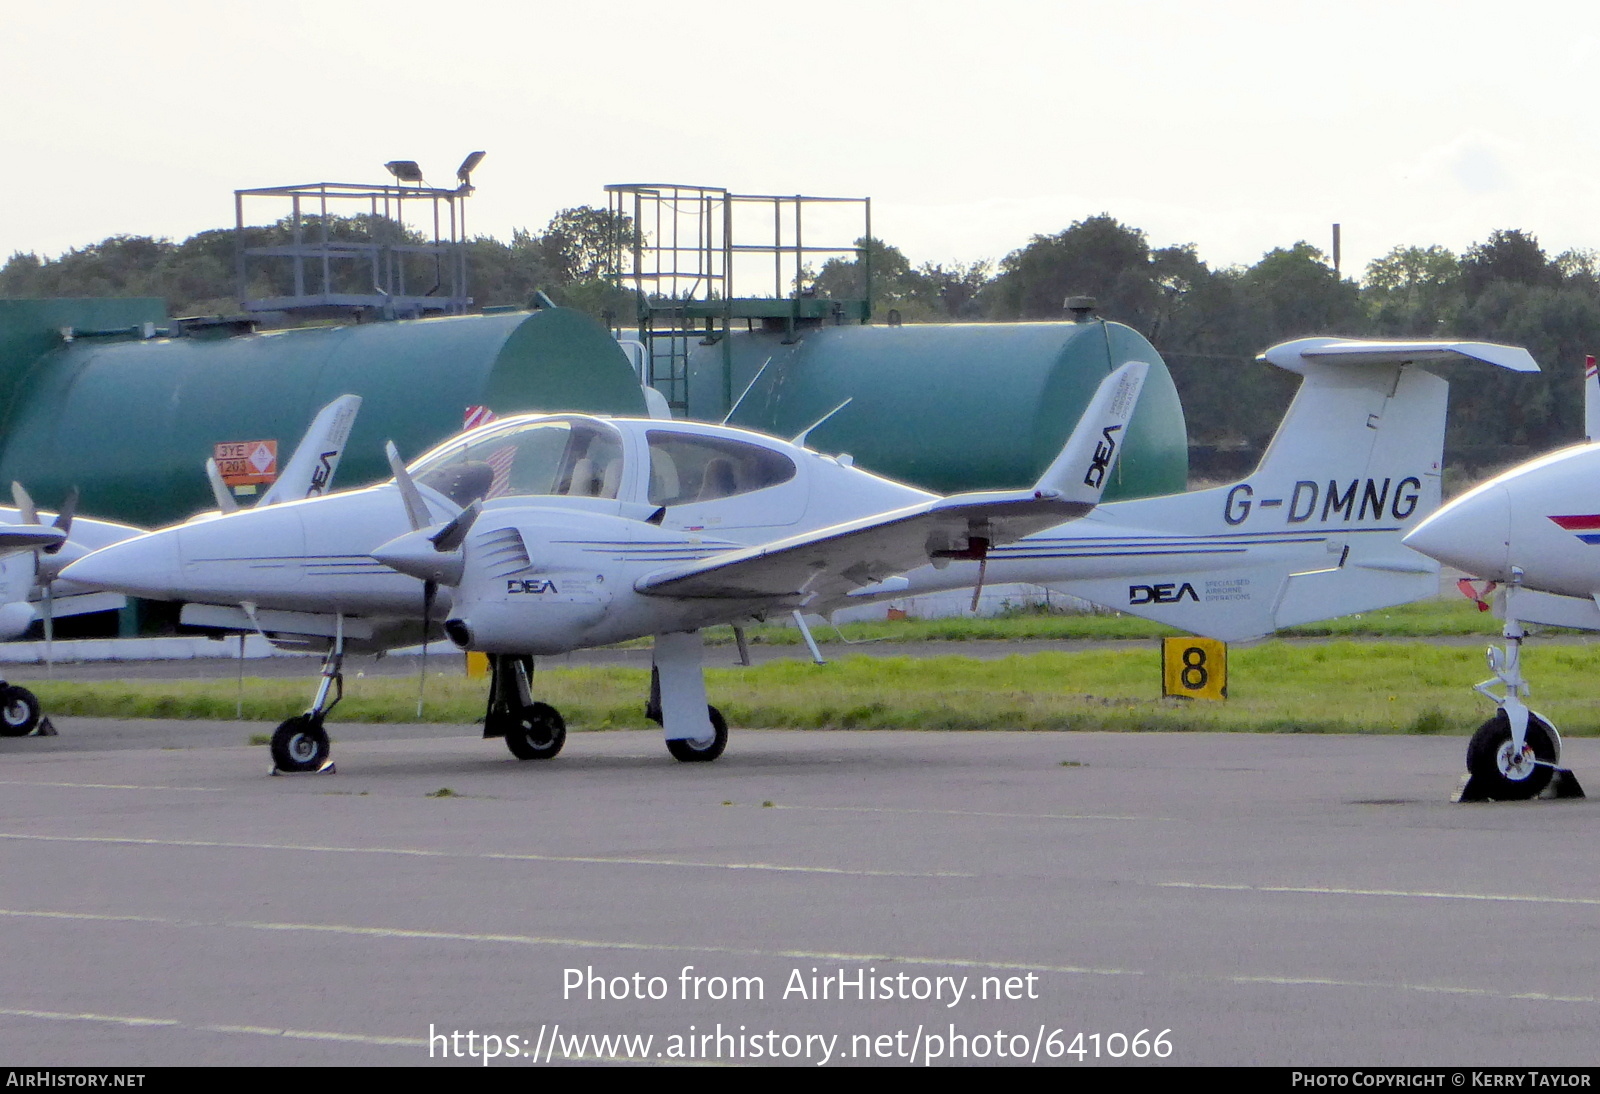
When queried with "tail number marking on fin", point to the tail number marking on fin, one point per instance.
{"points": [[1359, 500]]}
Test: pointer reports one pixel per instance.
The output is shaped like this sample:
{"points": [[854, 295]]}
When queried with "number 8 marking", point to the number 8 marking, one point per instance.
{"points": [[1194, 674]]}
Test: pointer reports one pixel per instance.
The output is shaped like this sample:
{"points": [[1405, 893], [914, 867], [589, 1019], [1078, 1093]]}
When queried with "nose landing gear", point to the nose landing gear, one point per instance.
{"points": [[1515, 755]]}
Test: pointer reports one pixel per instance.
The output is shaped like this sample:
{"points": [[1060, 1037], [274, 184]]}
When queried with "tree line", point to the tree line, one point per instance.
{"points": [[1207, 323]]}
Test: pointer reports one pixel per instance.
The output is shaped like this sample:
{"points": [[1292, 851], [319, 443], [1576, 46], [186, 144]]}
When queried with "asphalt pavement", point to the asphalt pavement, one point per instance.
{"points": [[820, 897]]}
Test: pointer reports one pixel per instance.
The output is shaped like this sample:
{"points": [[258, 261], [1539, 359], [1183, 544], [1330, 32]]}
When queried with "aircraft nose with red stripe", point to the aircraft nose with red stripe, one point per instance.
{"points": [[1542, 518]]}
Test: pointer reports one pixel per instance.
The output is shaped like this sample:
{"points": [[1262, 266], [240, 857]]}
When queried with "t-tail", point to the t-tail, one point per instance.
{"points": [[1591, 400], [1315, 531]]}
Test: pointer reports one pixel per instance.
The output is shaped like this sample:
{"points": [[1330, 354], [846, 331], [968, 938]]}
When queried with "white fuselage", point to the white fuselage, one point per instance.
{"points": [[1542, 519], [314, 556]]}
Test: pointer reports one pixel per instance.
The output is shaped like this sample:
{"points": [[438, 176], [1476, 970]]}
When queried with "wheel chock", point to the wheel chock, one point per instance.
{"points": [[45, 728], [1564, 785], [328, 768]]}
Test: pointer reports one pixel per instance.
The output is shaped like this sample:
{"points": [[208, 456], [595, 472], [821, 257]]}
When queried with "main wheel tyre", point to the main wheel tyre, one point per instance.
{"points": [[536, 733], [702, 751], [19, 712], [300, 744], [1505, 774]]}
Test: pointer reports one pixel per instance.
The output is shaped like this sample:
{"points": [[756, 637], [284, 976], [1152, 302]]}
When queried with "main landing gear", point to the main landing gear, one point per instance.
{"points": [[533, 731], [1515, 755], [695, 731]]}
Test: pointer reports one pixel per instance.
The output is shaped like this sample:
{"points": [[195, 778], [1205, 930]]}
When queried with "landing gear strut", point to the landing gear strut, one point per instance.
{"points": [[1516, 754], [533, 731], [300, 745]]}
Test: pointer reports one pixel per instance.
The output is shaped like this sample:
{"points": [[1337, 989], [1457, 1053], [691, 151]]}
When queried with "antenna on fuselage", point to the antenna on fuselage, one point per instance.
{"points": [[800, 437], [728, 417]]}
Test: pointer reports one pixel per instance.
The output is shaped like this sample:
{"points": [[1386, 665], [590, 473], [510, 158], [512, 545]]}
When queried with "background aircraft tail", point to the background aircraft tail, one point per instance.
{"points": [[1315, 531], [1591, 400]]}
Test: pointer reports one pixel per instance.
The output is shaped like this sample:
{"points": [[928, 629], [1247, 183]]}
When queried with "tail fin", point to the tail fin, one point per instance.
{"points": [[1315, 531], [1591, 400], [311, 468], [1079, 472]]}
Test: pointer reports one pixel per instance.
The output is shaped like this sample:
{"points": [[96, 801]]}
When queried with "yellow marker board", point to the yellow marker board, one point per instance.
{"points": [[477, 664], [1194, 668]]}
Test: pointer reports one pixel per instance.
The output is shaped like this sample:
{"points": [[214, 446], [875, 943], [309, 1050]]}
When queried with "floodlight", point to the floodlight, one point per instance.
{"points": [[468, 165], [405, 170]]}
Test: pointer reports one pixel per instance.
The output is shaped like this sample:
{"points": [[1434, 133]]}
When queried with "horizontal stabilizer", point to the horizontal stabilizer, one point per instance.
{"points": [[1347, 351]]}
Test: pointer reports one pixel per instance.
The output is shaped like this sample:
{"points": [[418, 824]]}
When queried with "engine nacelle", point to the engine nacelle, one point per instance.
{"points": [[536, 582]]}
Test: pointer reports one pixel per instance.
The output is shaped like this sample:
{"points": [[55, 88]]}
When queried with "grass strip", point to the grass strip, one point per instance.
{"points": [[1275, 687], [1443, 616]]}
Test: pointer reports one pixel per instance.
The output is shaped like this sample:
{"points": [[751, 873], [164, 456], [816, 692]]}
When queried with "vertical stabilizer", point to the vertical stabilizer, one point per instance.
{"points": [[1591, 400]]}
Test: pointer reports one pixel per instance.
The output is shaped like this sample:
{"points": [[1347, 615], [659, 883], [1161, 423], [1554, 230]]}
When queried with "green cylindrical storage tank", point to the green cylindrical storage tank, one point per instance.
{"points": [[950, 407], [132, 421]]}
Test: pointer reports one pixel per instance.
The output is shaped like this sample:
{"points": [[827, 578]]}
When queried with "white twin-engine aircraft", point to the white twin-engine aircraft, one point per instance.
{"points": [[33, 555], [547, 533], [541, 534], [1533, 532]]}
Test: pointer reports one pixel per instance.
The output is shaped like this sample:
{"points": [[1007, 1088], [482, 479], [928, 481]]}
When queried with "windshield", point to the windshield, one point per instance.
{"points": [[545, 456]]}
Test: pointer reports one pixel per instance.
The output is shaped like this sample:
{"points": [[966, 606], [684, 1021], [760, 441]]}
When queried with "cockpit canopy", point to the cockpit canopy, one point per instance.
{"points": [[586, 457], [568, 456]]}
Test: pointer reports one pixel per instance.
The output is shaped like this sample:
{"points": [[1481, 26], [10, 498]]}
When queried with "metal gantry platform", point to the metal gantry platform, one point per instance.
{"points": [[334, 248], [698, 260]]}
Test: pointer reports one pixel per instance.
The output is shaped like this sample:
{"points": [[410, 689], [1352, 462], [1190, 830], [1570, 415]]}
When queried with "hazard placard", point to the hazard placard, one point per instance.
{"points": [[247, 463], [1194, 668]]}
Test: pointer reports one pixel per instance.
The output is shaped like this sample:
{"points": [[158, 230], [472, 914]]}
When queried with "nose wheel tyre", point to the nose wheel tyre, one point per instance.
{"points": [[300, 744], [19, 712], [702, 751], [1504, 773], [536, 732]]}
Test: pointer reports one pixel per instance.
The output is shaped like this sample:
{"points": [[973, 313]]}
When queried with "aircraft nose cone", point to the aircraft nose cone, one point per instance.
{"points": [[1472, 533], [146, 566]]}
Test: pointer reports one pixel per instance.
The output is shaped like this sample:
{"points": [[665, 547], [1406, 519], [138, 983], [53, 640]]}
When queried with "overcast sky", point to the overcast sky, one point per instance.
{"points": [[1235, 125]]}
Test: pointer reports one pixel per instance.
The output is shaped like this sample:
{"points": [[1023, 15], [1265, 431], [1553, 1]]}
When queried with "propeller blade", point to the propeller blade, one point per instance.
{"points": [[416, 508], [24, 504], [454, 534], [63, 520], [226, 502]]}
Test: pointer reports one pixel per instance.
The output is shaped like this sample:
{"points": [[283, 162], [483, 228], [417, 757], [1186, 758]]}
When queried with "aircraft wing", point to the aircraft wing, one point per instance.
{"points": [[829, 562], [21, 537], [832, 561]]}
